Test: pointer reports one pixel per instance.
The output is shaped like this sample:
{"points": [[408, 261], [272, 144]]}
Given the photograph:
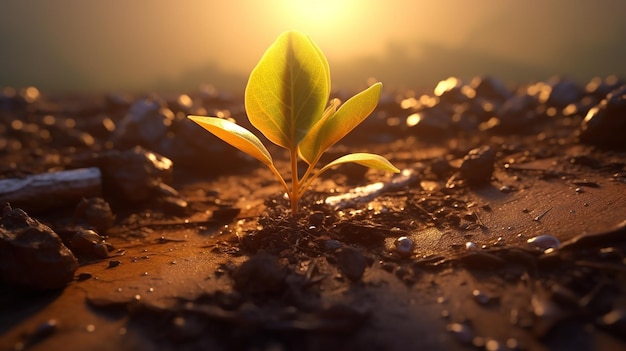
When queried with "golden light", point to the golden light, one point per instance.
{"points": [[320, 13], [340, 27]]}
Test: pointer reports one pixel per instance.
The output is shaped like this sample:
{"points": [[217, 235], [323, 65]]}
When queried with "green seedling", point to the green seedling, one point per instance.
{"points": [[287, 100]]}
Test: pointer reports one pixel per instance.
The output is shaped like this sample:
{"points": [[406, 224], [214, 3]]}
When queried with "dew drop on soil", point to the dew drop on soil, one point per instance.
{"points": [[470, 245], [544, 242]]}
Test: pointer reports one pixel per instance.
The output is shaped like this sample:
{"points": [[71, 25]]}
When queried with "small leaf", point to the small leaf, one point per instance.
{"points": [[288, 89], [364, 159], [235, 135], [330, 130]]}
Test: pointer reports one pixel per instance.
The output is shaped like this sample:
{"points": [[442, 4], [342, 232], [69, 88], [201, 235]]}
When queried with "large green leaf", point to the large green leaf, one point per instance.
{"points": [[330, 130], [235, 135], [288, 89], [364, 159]]}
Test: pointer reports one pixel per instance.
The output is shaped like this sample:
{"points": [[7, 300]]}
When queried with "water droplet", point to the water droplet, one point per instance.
{"points": [[544, 242], [470, 245]]}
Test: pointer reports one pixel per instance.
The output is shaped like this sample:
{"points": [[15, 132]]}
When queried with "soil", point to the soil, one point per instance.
{"points": [[522, 248]]}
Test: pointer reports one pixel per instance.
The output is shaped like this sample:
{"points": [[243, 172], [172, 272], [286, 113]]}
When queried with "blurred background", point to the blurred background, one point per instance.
{"points": [[158, 45]]}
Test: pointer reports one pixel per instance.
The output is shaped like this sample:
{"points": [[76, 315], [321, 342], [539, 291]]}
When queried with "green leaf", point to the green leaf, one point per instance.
{"points": [[235, 135], [330, 130], [288, 89], [364, 159]]}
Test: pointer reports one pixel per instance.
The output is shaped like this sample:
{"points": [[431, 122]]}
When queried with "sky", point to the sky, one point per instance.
{"points": [[168, 45]]}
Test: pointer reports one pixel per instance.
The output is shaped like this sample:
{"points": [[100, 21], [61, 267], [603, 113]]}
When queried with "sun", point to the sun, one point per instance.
{"points": [[320, 10], [318, 15]]}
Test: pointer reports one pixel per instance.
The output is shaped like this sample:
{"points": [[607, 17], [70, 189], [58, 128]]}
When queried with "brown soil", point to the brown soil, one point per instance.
{"points": [[234, 270]]}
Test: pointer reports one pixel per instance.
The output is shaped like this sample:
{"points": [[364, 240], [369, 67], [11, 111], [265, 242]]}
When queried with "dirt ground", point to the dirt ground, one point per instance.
{"points": [[517, 245]]}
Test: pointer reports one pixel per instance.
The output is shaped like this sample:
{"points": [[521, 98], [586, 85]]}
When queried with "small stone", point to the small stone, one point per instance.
{"points": [[351, 262], [95, 212], [332, 244], [604, 124], [404, 246], [135, 174], [478, 165], [87, 243], [481, 297]]}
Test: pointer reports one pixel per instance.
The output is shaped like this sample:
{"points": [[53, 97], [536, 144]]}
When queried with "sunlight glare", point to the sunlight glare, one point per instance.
{"points": [[320, 12]]}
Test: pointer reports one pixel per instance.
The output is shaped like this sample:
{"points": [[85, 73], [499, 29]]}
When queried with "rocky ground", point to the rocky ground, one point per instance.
{"points": [[128, 227]]}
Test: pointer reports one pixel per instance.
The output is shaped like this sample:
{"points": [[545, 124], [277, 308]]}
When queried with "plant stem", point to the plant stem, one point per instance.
{"points": [[293, 195]]}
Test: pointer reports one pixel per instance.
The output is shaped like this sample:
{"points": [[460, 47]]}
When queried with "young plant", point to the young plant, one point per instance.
{"points": [[286, 99]]}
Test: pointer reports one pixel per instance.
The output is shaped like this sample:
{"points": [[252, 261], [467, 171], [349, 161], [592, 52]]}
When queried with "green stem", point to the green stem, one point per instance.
{"points": [[293, 195]]}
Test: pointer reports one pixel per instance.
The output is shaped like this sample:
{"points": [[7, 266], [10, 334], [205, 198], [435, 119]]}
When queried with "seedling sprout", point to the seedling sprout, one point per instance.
{"points": [[287, 99]]}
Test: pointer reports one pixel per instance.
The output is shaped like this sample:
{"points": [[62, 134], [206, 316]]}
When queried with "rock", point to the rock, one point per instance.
{"points": [[431, 122], [87, 243], [560, 93], [96, 213], [451, 90], [515, 115], [490, 88], [351, 262], [146, 123], [32, 256], [478, 165], [604, 124], [135, 174]]}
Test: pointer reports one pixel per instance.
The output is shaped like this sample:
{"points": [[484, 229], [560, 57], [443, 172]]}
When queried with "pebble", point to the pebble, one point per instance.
{"points": [[351, 262], [135, 174], [404, 246], [604, 124], [480, 297], [87, 243], [332, 244], [145, 124], [95, 212], [514, 115], [478, 165]]}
